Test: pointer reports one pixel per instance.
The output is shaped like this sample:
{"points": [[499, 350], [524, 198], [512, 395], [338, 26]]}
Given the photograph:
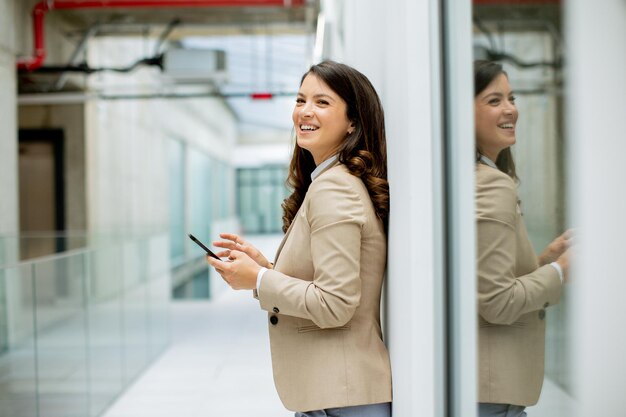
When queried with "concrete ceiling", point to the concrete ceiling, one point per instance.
{"points": [[198, 21], [267, 50]]}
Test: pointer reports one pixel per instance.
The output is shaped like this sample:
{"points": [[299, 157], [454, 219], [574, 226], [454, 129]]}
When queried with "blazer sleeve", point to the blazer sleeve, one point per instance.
{"points": [[336, 217], [502, 296]]}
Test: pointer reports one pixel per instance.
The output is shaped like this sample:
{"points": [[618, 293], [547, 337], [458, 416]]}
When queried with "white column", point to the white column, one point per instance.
{"points": [[596, 96], [412, 273], [393, 45], [460, 222], [9, 218]]}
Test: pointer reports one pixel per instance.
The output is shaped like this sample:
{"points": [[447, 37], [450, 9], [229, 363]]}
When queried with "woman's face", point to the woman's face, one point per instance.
{"points": [[320, 119], [496, 116]]}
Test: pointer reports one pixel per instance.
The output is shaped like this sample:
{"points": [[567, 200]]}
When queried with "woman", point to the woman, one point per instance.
{"points": [[514, 285], [323, 292]]}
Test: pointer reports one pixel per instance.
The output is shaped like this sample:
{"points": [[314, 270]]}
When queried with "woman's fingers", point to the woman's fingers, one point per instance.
{"points": [[222, 268], [224, 244], [219, 265], [232, 237]]}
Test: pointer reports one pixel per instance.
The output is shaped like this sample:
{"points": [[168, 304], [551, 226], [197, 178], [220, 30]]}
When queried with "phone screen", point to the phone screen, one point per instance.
{"points": [[207, 250]]}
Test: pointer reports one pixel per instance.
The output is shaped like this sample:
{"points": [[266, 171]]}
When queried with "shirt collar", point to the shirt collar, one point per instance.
{"points": [[488, 161], [321, 167]]}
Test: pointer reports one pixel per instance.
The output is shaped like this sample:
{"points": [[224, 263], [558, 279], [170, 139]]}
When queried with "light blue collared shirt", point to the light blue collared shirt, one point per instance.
{"points": [[488, 161], [321, 167]]}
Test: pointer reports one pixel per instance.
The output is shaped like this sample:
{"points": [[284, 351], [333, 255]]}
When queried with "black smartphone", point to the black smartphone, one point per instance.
{"points": [[207, 250]]}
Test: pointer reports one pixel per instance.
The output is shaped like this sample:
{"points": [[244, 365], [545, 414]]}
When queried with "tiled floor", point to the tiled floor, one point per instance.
{"points": [[217, 364]]}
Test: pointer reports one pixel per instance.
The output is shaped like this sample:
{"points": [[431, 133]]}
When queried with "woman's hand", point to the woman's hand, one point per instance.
{"points": [[240, 271], [556, 248], [234, 242]]}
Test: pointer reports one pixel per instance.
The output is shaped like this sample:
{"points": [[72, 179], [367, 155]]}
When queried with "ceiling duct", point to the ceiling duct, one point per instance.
{"points": [[183, 66]]}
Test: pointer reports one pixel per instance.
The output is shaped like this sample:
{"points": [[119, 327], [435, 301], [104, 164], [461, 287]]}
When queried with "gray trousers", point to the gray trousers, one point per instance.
{"points": [[369, 410], [500, 410]]}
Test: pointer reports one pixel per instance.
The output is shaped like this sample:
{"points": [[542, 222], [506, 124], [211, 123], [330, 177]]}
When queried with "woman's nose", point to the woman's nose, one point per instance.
{"points": [[306, 111], [509, 109]]}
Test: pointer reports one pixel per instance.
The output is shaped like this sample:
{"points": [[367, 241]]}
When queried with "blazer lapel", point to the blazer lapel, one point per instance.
{"points": [[282, 243]]}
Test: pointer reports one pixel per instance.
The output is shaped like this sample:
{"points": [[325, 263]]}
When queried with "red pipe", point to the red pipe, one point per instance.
{"points": [[41, 8], [261, 96]]}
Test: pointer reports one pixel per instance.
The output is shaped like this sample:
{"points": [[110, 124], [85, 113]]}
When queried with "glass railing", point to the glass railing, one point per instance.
{"points": [[77, 327]]}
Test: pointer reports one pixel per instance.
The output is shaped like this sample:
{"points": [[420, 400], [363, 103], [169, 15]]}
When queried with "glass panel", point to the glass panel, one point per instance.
{"points": [[200, 195], [260, 194], [79, 327], [216, 189], [61, 329], [177, 199], [134, 309], [18, 367], [527, 40], [158, 282], [105, 327]]}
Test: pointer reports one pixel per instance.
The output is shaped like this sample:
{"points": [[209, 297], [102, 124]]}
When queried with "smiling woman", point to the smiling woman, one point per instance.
{"points": [[514, 285], [323, 290], [320, 119], [496, 116]]}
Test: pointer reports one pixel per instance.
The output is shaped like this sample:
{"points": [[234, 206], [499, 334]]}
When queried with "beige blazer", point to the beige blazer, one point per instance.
{"points": [[323, 299], [513, 292]]}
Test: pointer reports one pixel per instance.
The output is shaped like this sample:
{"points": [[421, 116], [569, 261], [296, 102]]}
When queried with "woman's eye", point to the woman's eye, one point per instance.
{"points": [[494, 101], [322, 102], [512, 99], [299, 101]]}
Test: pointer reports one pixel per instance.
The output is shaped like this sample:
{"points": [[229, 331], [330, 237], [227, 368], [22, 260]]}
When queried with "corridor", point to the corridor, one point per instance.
{"points": [[217, 363]]}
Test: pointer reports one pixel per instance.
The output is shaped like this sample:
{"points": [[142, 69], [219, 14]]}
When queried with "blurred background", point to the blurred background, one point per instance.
{"points": [[127, 124]]}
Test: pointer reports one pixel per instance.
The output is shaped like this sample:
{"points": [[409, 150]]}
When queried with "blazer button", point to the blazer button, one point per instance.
{"points": [[276, 310], [274, 320], [542, 314]]}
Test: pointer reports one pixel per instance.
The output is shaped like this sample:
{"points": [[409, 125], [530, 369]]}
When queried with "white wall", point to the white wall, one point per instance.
{"points": [[392, 46], [9, 222], [127, 140], [596, 39], [251, 156]]}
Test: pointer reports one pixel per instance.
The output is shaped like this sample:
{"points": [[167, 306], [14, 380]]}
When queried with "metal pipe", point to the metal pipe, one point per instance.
{"points": [[37, 99], [44, 6]]}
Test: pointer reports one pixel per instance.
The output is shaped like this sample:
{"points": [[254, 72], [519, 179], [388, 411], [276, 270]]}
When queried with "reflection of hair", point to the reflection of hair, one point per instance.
{"points": [[484, 73], [363, 152]]}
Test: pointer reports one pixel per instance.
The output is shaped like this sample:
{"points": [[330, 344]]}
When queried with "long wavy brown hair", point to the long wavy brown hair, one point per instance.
{"points": [[484, 73], [363, 152]]}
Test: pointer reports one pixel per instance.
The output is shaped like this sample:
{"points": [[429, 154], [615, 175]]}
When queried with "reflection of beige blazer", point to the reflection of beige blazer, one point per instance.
{"points": [[513, 292], [323, 299]]}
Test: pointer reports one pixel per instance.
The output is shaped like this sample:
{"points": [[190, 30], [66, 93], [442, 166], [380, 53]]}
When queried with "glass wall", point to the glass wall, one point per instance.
{"points": [[260, 193], [201, 195], [177, 200], [527, 40], [81, 326]]}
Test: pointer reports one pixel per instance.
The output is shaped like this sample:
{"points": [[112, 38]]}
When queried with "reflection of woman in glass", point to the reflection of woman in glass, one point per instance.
{"points": [[514, 285], [323, 292]]}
